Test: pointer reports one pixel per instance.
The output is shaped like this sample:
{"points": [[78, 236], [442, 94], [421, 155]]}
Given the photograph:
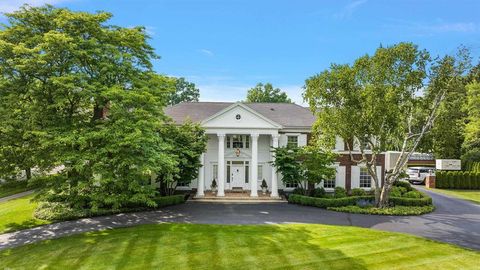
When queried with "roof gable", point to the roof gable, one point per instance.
{"points": [[239, 115]]}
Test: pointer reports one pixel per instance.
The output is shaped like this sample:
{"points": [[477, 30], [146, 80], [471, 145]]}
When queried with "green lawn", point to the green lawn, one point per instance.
{"points": [[10, 189], [17, 214], [192, 246], [466, 194]]}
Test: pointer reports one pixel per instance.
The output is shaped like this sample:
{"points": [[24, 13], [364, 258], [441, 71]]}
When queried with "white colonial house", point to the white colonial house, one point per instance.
{"points": [[240, 139]]}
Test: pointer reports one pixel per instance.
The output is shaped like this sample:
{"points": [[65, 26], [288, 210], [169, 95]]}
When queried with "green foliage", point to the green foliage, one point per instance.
{"points": [[184, 92], [471, 145], [358, 192], [326, 202], [299, 191], [374, 102], [391, 211], [397, 191], [303, 165], [319, 192], [57, 211], [82, 94], [266, 93], [457, 180], [339, 192], [403, 184], [188, 142], [413, 194], [403, 201]]}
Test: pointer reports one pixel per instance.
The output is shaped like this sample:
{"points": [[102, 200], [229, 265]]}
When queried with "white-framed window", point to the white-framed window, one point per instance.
{"points": [[238, 141], [329, 183], [291, 185], [215, 171], [292, 141], [260, 172], [182, 184], [247, 172], [365, 178]]}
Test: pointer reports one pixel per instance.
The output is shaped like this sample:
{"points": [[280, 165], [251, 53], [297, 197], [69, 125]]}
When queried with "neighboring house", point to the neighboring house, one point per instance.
{"points": [[240, 138]]}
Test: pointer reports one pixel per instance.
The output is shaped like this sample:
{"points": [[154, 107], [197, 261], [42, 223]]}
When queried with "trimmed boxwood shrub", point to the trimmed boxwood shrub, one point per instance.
{"points": [[358, 192], [405, 185], [169, 200], [326, 202], [319, 192], [411, 201], [339, 192]]}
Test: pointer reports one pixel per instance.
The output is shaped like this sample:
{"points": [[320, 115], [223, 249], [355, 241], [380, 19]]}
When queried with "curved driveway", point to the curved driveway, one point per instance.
{"points": [[454, 221]]}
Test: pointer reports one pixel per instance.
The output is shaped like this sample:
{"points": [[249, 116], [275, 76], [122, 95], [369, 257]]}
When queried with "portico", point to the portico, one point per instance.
{"points": [[238, 156]]}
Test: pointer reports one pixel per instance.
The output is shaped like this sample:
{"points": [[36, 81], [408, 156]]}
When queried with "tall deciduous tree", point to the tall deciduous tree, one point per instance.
{"points": [[184, 92], [266, 93], [91, 102], [375, 103], [471, 145]]}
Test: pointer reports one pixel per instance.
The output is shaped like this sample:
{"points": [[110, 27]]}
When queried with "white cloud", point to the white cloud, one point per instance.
{"points": [[12, 5], [425, 29], [452, 27], [348, 10], [206, 52]]}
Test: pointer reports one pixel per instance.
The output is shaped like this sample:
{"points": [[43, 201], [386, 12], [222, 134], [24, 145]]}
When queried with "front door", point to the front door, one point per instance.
{"points": [[237, 176]]}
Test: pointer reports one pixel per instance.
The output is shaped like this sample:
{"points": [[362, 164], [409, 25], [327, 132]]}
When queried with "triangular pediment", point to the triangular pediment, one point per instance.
{"points": [[239, 115]]}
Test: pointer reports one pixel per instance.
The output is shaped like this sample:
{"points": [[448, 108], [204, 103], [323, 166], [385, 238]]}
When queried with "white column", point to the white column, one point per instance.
{"points": [[201, 177], [253, 182], [274, 171], [221, 165]]}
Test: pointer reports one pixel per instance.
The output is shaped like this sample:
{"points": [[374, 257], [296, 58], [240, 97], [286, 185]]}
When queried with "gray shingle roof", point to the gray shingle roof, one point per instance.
{"points": [[286, 114]]}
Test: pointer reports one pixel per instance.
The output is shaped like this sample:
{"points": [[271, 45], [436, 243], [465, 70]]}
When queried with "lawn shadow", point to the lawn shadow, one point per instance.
{"points": [[27, 224]]}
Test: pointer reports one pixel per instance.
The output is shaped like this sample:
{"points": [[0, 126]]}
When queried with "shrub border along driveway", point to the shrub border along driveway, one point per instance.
{"points": [[454, 221]]}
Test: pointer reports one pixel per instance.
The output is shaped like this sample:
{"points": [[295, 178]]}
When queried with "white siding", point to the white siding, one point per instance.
{"points": [[339, 145]]}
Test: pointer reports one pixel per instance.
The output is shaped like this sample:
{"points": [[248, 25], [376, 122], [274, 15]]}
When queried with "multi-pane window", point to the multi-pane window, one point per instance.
{"points": [[292, 141], [260, 172], [329, 183], [365, 178], [215, 171], [238, 141], [182, 184], [247, 172], [291, 185]]}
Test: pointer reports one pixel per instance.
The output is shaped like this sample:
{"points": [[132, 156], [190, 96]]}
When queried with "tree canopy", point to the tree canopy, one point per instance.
{"points": [[81, 94], [376, 103], [184, 92], [266, 93]]}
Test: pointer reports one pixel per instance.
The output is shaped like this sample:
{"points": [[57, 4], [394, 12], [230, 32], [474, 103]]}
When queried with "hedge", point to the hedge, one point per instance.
{"points": [[169, 200], [353, 200], [60, 211], [473, 166], [457, 180]]}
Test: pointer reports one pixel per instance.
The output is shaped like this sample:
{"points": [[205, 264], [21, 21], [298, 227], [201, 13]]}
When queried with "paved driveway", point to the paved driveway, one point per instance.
{"points": [[454, 221]]}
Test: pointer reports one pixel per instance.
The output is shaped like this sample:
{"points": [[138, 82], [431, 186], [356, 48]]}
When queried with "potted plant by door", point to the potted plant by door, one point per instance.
{"points": [[213, 186], [264, 187]]}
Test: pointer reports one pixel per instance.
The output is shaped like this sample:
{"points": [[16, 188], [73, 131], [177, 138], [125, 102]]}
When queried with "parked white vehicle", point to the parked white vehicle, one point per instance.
{"points": [[417, 175]]}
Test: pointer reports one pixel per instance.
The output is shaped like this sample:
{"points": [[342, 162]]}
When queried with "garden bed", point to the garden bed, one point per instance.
{"points": [[404, 200]]}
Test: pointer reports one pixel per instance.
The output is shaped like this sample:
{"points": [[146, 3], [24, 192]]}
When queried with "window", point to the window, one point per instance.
{"points": [[228, 171], [247, 172], [215, 171], [291, 185], [292, 141], [182, 184], [238, 141], [365, 178], [329, 183], [260, 172]]}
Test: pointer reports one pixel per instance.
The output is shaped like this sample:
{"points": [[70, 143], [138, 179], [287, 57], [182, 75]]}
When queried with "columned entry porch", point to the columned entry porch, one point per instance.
{"points": [[236, 167]]}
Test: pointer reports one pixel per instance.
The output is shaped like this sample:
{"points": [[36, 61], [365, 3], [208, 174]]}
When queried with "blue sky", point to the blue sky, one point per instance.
{"points": [[226, 47]]}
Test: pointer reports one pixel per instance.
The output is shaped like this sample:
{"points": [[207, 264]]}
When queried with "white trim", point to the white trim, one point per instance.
{"points": [[238, 104]]}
